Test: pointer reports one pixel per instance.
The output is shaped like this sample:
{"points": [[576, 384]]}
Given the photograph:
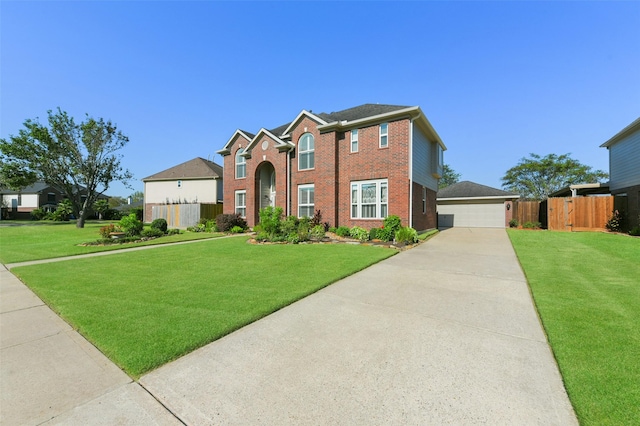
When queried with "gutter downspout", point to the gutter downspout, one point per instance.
{"points": [[288, 183], [411, 172]]}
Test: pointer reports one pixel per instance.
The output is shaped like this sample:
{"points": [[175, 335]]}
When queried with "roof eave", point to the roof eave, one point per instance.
{"points": [[491, 197], [633, 127], [411, 112]]}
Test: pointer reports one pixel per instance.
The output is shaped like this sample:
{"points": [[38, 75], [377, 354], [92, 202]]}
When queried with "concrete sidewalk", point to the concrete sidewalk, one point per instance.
{"points": [[443, 333], [49, 373]]}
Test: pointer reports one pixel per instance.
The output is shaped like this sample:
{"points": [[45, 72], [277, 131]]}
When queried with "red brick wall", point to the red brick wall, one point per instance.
{"points": [[423, 221]]}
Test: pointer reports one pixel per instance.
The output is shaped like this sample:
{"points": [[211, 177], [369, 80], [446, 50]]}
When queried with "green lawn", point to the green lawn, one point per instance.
{"points": [[586, 287], [44, 240], [143, 309]]}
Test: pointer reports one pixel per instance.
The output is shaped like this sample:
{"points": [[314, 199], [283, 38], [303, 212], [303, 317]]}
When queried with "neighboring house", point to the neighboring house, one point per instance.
{"points": [[40, 195], [624, 170], [356, 166], [469, 204], [196, 181]]}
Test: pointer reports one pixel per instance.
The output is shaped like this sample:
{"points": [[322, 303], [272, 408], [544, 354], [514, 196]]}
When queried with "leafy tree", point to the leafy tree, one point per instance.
{"points": [[137, 196], [449, 176], [536, 177], [117, 202], [78, 159], [100, 207]]}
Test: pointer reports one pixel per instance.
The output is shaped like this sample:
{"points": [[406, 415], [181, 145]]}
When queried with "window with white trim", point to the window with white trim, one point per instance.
{"points": [[241, 203], [241, 165], [306, 196], [369, 199], [424, 200], [384, 135], [354, 140], [306, 148]]}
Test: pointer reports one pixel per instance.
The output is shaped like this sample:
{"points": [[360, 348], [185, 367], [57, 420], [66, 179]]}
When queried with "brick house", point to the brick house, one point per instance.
{"points": [[356, 166]]}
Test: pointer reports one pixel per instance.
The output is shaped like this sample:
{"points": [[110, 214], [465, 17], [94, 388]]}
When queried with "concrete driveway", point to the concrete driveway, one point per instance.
{"points": [[445, 333]]}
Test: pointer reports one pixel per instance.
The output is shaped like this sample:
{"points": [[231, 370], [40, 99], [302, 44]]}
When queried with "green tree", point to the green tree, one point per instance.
{"points": [[100, 207], [536, 177], [78, 159], [137, 196], [117, 201], [449, 176]]}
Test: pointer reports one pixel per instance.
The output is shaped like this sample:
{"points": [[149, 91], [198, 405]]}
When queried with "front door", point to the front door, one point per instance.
{"points": [[267, 185]]}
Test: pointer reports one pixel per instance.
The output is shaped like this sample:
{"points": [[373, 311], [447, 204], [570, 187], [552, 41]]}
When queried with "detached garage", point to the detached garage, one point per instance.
{"points": [[468, 204]]}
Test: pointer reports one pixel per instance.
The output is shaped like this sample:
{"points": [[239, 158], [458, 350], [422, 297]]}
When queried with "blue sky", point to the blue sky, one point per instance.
{"points": [[497, 80]]}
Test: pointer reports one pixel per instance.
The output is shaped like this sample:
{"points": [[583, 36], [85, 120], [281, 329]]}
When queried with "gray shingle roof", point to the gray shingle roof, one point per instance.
{"points": [[196, 168], [469, 189], [31, 189], [362, 111]]}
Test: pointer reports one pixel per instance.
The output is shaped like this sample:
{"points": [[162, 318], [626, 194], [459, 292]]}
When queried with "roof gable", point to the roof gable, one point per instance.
{"points": [[633, 127], [300, 116], [467, 189], [192, 169], [238, 133], [280, 144]]}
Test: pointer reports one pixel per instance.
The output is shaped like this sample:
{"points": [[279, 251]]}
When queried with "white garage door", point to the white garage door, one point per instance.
{"points": [[471, 215]]}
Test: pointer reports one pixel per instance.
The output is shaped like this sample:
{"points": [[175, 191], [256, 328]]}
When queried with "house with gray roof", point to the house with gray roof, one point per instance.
{"points": [[197, 181], [624, 170], [470, 204], [356, 166]]}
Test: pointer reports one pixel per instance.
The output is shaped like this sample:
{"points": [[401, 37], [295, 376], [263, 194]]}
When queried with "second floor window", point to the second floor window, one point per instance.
{"points": [[306, 148], [354, 140], [241, 165], [384, 135]]}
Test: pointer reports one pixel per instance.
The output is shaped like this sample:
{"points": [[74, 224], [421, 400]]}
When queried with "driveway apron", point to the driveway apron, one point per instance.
{"points": [[445, 333]]}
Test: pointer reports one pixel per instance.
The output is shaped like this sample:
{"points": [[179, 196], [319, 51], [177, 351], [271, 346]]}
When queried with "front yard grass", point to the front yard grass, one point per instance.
{"points": [[45, 240], [586, 287], [146, 308]]}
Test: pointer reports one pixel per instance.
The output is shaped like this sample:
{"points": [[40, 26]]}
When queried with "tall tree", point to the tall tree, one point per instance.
{"points": [[449, 176], [536, 177], [80, 160], [137, 196]]}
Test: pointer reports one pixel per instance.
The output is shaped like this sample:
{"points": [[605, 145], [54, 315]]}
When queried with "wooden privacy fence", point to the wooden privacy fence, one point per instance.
{"points": [[527, 211], [185, 215], [579, 213]]}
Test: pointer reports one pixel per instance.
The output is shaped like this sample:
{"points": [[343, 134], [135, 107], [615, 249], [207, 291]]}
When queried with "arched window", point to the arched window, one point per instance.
{"points": [[306, 147], [241, 165]]}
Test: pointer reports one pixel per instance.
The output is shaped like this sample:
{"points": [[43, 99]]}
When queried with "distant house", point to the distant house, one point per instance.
{"points": [[469, 204], [196, 181], [624, 170], [40, 195], [356, 166]]}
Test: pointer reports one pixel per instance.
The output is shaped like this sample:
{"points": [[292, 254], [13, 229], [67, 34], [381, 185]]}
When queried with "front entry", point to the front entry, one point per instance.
{"points": [[266, 182]]}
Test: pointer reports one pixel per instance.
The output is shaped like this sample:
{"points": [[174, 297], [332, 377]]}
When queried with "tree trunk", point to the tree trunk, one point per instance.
{"points": [[81, 219]]}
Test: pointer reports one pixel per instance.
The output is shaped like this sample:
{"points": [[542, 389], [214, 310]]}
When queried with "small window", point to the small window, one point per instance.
{"points": [[51, 197], [369, 199], [19, 199], [354, 140], [424, 200], [241, 203], [306, 196], [241, 165], [306, 148], [179, 184], [384, 135]]}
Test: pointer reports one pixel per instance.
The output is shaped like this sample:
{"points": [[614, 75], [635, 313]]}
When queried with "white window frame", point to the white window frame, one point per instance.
{"points": [[308, 204], [308, 153], [380, 206], [241, 164], [354, 140], [384, 134], [240, 208]]}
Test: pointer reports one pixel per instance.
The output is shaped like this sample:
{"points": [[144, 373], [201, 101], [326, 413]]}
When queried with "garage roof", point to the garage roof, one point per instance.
{"points": [[471, 190]]}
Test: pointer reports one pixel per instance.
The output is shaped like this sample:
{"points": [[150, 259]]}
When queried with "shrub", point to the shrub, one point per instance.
{"points": [[317, 232], [197, 228], [373, 233], [112, 214], [138, 211], [406, 235], [359, 233], [225, 222], [316, 219], [303, 229], [385, 234], [343, 231], [289, 226], [210, 226], [513, 223], [617, 222], [173, 231], [635, 231], [332, 229], [152, 233], [131, 225], [393, 223], [38, 214], [160, 224], [531, 225], [107, 229], [271, 220], [237, 230]]}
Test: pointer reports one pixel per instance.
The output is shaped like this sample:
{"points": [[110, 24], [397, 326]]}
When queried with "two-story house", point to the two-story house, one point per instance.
{"points": [[624, 170], [356, 166]]}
